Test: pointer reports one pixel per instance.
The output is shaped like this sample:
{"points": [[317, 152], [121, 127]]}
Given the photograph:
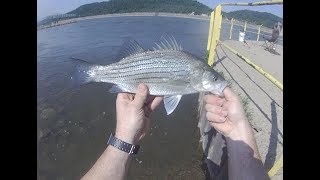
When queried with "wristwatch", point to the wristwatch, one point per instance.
{"points": [[123, 146]]}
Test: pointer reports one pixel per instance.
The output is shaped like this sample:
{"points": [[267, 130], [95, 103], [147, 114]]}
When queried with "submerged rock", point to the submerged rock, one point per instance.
{"points": [[48, 113]]}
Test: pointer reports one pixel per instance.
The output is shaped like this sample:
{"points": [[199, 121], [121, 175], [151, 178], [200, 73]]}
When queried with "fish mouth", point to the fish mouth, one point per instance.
{"points": [[219, 89], [223, 85]]}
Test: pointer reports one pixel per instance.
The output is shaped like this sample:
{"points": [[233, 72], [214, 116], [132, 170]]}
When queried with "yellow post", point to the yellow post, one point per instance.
{"points": [[231, 29], [276, 167], [215, 34], [259, 32], [210, 30]]}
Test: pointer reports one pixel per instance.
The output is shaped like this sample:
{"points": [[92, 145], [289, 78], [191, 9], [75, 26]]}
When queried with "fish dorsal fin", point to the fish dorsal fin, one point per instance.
{"points": [[129, 48], [167, 42], [171, 102]]}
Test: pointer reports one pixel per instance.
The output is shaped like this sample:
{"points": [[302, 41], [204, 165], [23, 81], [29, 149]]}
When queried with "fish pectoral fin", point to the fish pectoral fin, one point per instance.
{"points": [[171, 102], [115, 89]]}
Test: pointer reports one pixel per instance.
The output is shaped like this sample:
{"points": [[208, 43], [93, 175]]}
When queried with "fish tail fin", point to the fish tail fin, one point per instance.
{"points": [[82, 73]]}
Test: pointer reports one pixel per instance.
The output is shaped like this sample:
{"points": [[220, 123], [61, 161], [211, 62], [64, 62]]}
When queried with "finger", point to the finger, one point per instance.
{"points": [[216, 110], [216, 126], [229, 94], [124, 96], [215, 118], [213, 99], [141, 96], [155, 103]]}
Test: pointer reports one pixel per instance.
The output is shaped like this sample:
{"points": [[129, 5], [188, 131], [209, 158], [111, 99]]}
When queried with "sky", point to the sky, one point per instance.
{"points": [[51, 7], [274, 9]]}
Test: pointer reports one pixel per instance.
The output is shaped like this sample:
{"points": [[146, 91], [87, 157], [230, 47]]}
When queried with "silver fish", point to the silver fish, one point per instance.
{"points": [[167, 70]]}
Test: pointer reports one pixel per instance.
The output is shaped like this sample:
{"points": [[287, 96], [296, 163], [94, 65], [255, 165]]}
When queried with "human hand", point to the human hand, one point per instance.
{"points": [[133, 111], [226, 115]]}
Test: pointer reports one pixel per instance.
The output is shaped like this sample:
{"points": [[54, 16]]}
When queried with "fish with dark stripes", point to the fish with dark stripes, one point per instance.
{"points": [[167, 70]]}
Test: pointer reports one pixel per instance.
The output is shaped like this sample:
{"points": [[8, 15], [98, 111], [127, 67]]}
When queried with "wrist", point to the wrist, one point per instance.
{"points": [[243, 133], [240, 131], [122, 145], [116, 150]]}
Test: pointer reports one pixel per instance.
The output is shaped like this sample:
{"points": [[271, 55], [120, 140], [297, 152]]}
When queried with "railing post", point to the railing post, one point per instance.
{"points": [[210, 30], [230, 35], [276, 167], [259, 32], [215, 34]]}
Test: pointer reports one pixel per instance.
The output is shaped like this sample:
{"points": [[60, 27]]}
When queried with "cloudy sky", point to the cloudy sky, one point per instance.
{"points": [[51, 7], [274, 9]]}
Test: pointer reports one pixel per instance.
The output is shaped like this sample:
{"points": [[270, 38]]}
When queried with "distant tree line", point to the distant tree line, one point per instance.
{"points": [[127, 6], [267, 19], [170, 6]]}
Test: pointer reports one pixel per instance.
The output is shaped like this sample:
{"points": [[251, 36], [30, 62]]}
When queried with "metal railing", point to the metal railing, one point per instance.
{"points": [[256, 29]]}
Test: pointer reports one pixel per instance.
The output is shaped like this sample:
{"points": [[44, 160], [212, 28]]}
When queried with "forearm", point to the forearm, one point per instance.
{"points": [[244, 159], [112, 164]]}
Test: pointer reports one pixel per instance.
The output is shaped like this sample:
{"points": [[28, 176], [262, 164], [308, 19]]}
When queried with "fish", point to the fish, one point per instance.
{"points": [[166, 69]]}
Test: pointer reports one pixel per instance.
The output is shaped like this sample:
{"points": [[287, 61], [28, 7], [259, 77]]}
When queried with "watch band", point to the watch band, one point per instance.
{"points": [[123, 146]]}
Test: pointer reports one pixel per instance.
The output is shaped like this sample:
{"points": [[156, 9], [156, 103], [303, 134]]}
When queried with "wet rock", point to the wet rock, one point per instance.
{"points": [[48, 113], [63, 133], [41, 106], [60, 123], [44, 133]]}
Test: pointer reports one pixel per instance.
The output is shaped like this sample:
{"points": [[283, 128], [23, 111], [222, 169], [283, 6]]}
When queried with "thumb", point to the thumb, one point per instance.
{"points": [[141, 96], [229, 94]]}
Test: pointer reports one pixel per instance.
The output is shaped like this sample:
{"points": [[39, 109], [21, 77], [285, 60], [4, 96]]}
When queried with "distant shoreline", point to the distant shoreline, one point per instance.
{"points": [[146, 14], [74, 20]]}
